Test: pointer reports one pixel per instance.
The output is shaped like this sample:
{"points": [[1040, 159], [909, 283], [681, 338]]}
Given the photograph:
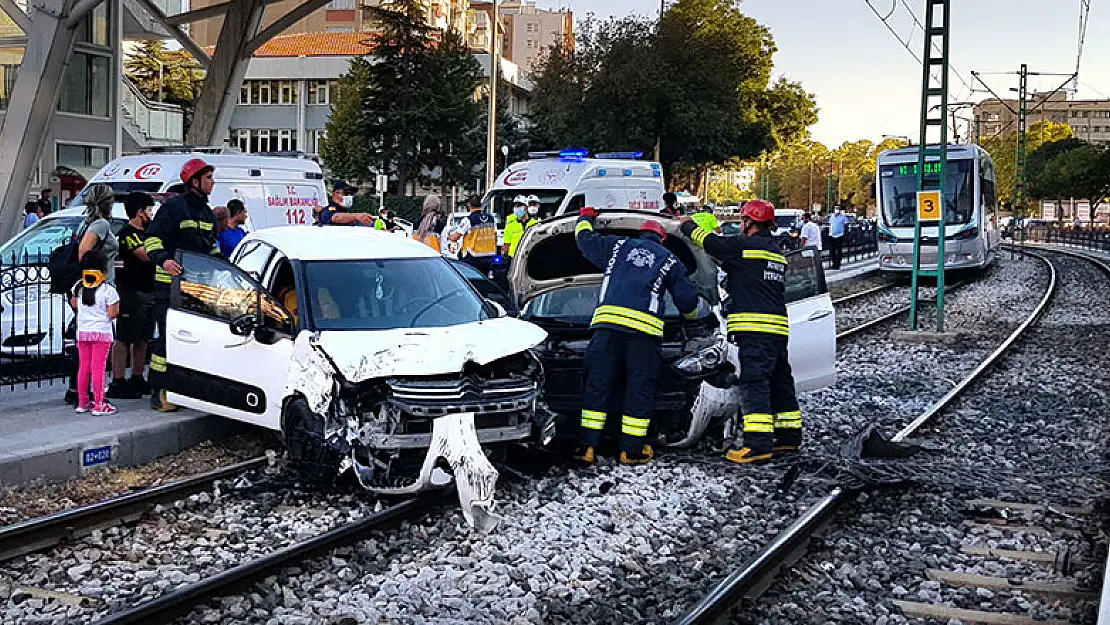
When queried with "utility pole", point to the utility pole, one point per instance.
{"points": [[933, 88], [494, 79], [809, 207], [659, 36], [1022, 147], [830, 191]]}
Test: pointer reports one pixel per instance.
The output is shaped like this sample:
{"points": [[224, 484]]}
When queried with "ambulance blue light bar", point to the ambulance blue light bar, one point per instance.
{"points": [[632, 155], [574, 154]]}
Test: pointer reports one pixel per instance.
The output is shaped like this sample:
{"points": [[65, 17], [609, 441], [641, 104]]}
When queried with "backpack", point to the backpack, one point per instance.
{"points": [[63, 265]]}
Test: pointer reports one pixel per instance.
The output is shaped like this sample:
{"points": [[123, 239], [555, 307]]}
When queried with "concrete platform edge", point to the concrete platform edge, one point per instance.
{"points": [[128, 447]]}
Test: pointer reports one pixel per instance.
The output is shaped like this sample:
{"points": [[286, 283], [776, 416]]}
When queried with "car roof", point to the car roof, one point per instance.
{"points": [[341, 243]]}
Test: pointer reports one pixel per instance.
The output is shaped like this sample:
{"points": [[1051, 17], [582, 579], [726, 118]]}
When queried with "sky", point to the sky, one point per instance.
{"points": [[866, 83]]}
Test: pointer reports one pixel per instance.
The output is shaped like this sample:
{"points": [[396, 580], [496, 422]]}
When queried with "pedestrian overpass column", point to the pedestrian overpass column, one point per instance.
{"points": [[50, 39]]}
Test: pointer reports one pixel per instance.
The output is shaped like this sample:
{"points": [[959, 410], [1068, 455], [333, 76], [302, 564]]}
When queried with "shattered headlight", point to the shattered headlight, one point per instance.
{"points": [[701, 363]]}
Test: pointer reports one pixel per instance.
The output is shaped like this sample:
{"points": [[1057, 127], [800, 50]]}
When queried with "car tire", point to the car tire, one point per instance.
{"points": [[309, 454]]}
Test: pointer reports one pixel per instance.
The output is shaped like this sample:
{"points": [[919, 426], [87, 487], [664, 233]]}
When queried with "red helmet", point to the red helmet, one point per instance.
{"points": [[760, 211], [654, 227], [192, 168]]}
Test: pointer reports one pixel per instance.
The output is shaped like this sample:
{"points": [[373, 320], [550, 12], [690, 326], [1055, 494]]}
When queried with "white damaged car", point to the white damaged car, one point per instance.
{"points": [[370, 353]]}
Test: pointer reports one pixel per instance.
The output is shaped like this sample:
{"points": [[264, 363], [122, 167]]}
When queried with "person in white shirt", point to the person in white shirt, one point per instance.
{"points": [[811, 232], [97, 304]]}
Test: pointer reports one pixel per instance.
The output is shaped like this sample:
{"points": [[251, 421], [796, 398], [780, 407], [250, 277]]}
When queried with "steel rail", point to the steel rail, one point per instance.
{"points": [[181, 601], [44, 532], [753, 575], [865, 293], [887, 317]]}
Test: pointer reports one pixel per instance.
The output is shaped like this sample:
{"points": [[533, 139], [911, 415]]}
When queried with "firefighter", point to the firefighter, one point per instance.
{"points": [[185, 222], [514, 224], [758, 325], [479, 237], [625, 349]]}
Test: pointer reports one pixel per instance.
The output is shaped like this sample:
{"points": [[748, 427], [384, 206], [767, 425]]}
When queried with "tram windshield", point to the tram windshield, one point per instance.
{"points": [[899, 192]]}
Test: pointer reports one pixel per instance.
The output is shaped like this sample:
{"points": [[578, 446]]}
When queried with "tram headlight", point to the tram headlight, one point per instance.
{"points": [[966, 234], [885, 236]]}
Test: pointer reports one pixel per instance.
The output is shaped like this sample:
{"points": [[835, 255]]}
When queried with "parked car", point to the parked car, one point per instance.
{"points": [[387, 364], [557, 289]]}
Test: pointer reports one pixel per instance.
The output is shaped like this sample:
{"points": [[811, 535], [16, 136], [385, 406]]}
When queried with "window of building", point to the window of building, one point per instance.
{"points": [[1086, 114], [10, 60], [531, 27], [242, 138], [341, 5], [314, 139], [86, 87], [530, 44], [94, 29], [318, 91], [245, 92], [341, 29], [84, 156], [287, 94], [264, 92], [286, 141]]}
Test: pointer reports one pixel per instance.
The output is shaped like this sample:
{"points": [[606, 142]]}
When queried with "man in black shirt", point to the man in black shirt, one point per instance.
{"points": [[135, 283]]}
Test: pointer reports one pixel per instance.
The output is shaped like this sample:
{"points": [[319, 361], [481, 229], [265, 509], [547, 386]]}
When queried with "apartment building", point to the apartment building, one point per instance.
{"points": [[1089, 119], [527, 30]]}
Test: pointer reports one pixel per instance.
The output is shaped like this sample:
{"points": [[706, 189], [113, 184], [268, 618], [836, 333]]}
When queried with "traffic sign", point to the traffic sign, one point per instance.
{"points": [[928, 206]]}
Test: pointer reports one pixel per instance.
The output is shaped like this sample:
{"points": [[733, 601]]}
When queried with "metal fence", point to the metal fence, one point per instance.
{"points": [[1096, 239], [34, 348], [861, 241]]}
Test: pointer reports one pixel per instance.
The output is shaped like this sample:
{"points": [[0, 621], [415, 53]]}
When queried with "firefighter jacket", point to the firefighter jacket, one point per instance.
{"points": [[638, 273], [756, 272], [184, 222]]}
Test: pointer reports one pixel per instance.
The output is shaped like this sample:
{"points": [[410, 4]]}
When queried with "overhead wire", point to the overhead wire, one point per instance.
{"points": [[908, 43], [1084, 20]]}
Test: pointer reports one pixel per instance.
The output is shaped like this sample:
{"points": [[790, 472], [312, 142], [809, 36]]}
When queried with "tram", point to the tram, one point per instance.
{"points": [[972, 236]]}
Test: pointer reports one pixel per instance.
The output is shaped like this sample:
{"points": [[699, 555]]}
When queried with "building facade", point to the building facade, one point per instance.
{"points": [[527, 30], [1089, 119], [285, 101]]}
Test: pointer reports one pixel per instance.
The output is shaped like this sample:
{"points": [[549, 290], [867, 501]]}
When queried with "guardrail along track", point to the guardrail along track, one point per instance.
{"points": [[757, 572]]}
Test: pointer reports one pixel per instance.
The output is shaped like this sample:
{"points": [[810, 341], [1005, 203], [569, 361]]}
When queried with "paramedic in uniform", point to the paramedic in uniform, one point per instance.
{"points": [[479, 237], [335, 213], [185, 222], [760, 328], [625, 349]]}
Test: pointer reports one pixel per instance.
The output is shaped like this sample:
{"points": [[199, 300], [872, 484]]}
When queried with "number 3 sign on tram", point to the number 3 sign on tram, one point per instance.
{"points": [[928, 206]]}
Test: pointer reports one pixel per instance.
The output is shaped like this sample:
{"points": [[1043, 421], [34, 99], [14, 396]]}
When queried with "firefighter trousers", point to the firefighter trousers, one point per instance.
{"points": [[614, 360], [160, 308], [767, 397]]}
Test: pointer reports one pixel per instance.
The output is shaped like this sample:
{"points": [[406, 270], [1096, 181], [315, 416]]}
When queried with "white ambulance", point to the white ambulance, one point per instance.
{"points": [[277, 190], [568, 180]]}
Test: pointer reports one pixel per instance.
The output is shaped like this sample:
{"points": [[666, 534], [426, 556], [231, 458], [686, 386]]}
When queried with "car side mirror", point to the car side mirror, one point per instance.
{"points": [[243, 325], [501, 312], [265, 335]]}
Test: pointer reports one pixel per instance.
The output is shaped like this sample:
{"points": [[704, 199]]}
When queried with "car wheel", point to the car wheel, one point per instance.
{"points": [[309, 453]]}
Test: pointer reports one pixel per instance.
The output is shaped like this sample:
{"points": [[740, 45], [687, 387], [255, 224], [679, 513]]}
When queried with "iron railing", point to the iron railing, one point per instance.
{"points": [[1090, 238], [34, 347]]}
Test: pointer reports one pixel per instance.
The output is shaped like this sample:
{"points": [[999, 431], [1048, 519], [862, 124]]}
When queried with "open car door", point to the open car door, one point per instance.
{"points": [[812, 321], [228, 343]]}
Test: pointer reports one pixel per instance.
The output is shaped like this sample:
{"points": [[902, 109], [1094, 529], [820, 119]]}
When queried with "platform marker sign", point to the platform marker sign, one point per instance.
{"points": [[95, 456], [928, 206]]}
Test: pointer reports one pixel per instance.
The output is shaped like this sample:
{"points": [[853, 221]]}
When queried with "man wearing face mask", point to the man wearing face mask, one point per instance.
{"points": [[336, 212], [514, 225], [533, 211]]}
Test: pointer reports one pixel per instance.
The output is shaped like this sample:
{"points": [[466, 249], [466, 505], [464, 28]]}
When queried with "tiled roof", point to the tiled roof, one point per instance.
{"points": [[315, 44]]}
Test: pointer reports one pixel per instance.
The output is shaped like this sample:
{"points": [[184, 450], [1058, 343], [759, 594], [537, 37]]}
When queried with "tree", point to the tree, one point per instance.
{"points": [[699, 82], [1003, 151], [345, 148], [171, 76], [1083, 171]]}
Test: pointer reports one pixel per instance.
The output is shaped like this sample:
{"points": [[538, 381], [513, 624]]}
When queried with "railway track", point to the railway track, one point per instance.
{"points": [[758, 572], [884, 318]]}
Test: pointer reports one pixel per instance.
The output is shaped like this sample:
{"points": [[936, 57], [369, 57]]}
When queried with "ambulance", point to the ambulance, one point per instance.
{"points": [[567, 180], [277, 191]]}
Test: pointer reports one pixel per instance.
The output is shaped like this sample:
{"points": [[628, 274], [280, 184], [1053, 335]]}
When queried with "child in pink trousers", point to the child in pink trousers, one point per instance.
{"points": [[97, 304]]}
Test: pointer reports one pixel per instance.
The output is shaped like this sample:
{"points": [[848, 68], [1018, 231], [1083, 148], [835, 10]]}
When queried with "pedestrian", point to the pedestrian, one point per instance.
{"points": [[625, 350], [183, 223], [31, 214], [46, 204], [221, 215], [670, 205], [97, 304], [757, 323], [432, 223], [706, 220], [98, 227], [386, 221], [478, 233], [838, 226], [514, 224], [230, 237], [135, 284], [336, 213], [811, 232], [534, 207]]}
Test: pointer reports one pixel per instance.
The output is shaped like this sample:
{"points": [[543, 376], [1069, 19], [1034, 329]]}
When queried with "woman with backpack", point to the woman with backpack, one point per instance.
{"points": [[97, 304], [98, 227]]}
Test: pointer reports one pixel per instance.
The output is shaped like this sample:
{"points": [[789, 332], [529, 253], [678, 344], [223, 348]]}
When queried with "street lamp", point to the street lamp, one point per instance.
{"points": [[161, 67]]}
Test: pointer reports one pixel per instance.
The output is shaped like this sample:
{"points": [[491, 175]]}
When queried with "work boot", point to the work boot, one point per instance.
{"points": [[643, 457], [586, 454], [787, 441], [139, 384], [159, 402], [756, 447], [120, 389]]}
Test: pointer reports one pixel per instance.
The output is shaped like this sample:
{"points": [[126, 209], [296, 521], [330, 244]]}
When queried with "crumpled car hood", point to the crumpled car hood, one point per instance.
{"points": [[364, 355]]}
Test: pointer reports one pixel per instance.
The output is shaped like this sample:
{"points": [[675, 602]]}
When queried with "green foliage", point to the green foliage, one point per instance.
{"points": [[1070, 169], [410, 111], [151, 66], [1003, 151], [798, 173], [403, 206], [699, 81]]}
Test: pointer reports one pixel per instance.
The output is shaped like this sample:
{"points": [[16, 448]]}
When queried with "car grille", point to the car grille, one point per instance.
{"points": [[433, 398]]}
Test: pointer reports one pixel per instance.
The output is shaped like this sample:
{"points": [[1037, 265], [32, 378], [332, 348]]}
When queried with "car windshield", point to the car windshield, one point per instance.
{"points": [[576, 304], [33, 245], [785, 221], [899, 193], [500, 202], [390, 294]]}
